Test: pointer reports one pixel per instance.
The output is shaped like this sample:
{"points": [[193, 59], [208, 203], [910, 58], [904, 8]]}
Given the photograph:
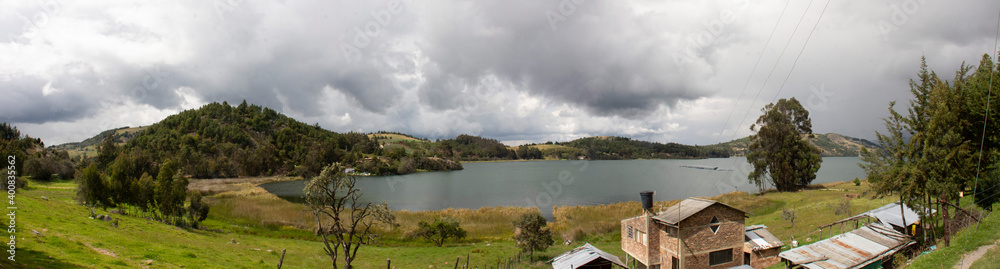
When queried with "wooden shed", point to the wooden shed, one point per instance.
{"points": [[586, 256]]}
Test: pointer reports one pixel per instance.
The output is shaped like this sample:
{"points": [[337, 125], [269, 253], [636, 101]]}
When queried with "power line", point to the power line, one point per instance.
{"points": [[806, 43], [776, 62], [753, 71], [982, 141], [801, 50]]}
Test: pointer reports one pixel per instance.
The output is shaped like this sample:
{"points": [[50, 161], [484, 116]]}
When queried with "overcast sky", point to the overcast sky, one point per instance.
{"points": [[693, 72]]}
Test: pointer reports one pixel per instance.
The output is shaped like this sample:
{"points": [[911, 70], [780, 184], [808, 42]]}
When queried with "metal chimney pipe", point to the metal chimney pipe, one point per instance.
{"points": [[647, 201]]}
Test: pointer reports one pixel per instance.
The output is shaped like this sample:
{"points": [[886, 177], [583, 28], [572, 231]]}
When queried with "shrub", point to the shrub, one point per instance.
{"points": [[440, 230], [18, 182], [842, 208], [788, 215], [857, 182]]}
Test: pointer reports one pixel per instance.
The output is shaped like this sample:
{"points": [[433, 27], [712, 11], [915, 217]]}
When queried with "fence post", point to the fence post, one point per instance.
{"points": [[388, 263], [456, 261], [282, 260], [466, 260]]}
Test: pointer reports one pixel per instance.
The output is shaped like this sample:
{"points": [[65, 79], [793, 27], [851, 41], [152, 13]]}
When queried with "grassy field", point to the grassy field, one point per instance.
{"points": [[966, 241], [56, 233], [393, 137], [89, 147]]}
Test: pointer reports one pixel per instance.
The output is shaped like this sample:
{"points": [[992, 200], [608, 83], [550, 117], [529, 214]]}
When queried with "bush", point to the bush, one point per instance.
{"points": [[18, 182], [857, 182], [197, 210], [788, 215], [440, 230], [38, 169], [842, 208]]}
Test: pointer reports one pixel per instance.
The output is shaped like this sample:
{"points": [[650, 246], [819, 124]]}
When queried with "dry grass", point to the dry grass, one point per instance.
{"points": [[255, 205], [492, 223], [572, 222], [251, 204], [221, 185]]}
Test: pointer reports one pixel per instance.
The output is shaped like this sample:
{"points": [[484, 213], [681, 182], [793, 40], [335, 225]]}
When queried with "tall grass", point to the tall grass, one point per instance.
{"points": [[573, 222]]}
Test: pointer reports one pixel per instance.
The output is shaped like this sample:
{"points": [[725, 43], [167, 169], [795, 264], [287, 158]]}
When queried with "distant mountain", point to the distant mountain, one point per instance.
{"points": [[88, 147], [831, 145]]}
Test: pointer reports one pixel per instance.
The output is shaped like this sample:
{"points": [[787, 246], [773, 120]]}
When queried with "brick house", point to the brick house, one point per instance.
{"points": [[711, 235], [761, 248]]}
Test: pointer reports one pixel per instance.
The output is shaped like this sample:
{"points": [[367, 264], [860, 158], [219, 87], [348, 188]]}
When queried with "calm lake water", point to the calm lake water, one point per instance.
{"points": [[548, 183]]}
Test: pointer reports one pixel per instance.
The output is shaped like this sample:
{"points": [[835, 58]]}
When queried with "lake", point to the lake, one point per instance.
{"points": [[544, 184]]}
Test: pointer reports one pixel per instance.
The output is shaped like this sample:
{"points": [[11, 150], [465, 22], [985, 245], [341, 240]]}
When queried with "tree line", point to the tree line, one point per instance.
{"points": [[942, 143]]}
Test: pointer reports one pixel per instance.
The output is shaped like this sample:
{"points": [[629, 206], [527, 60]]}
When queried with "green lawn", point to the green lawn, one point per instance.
{"points": [[966, 241], [67, 238], [58, 234]]}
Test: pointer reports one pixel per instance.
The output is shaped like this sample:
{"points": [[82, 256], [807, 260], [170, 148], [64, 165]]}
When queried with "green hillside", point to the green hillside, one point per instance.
{"points": [[88, 147], [220, 140], [831, 145]]}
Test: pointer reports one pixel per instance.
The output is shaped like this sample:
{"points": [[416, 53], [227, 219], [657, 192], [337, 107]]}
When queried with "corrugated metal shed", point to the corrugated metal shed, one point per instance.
{"points": [[583, 255], [854, 249], [758, 238], [685, 209]]}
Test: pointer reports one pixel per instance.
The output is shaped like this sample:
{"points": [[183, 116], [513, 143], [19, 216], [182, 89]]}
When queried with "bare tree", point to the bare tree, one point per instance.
{"points": [[332, 196]]}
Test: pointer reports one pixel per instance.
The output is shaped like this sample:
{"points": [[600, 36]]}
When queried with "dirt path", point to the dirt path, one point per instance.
{"points": [[971, 258], [58, 188]]}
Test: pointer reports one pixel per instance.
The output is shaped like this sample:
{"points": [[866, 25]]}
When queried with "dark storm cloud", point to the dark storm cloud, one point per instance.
{"points": [[513, 70], [32, 99], [597, 54]]}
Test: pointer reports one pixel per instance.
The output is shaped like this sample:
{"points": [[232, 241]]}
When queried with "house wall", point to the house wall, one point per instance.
{"points": [[636, 249], [765, 258], [699, 240]]}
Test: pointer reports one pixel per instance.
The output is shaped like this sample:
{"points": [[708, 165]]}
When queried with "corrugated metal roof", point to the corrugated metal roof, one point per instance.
{"points": [[849, 250], [759, 238], [582, 255], [685, 209], [890, 214]]}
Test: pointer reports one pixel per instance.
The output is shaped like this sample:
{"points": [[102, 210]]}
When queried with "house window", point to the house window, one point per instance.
{"points": [[644, 239], [714, 225], [720, 257], [640, 237], [674, 264], [630, 231]]}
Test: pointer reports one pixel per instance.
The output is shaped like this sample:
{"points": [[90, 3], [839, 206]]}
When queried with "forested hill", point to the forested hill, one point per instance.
{"points": [[830, 145], [219, 140], [614, 148]]}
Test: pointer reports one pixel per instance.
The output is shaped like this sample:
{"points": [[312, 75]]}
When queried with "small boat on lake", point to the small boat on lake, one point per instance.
{"points": [[701, 167]]}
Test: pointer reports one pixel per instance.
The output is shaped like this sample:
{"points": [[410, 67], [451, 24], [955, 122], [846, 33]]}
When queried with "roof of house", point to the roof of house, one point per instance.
{"points": [[853, 249], [890, 214], [758, 238], [687, 208], [583, 255]]}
